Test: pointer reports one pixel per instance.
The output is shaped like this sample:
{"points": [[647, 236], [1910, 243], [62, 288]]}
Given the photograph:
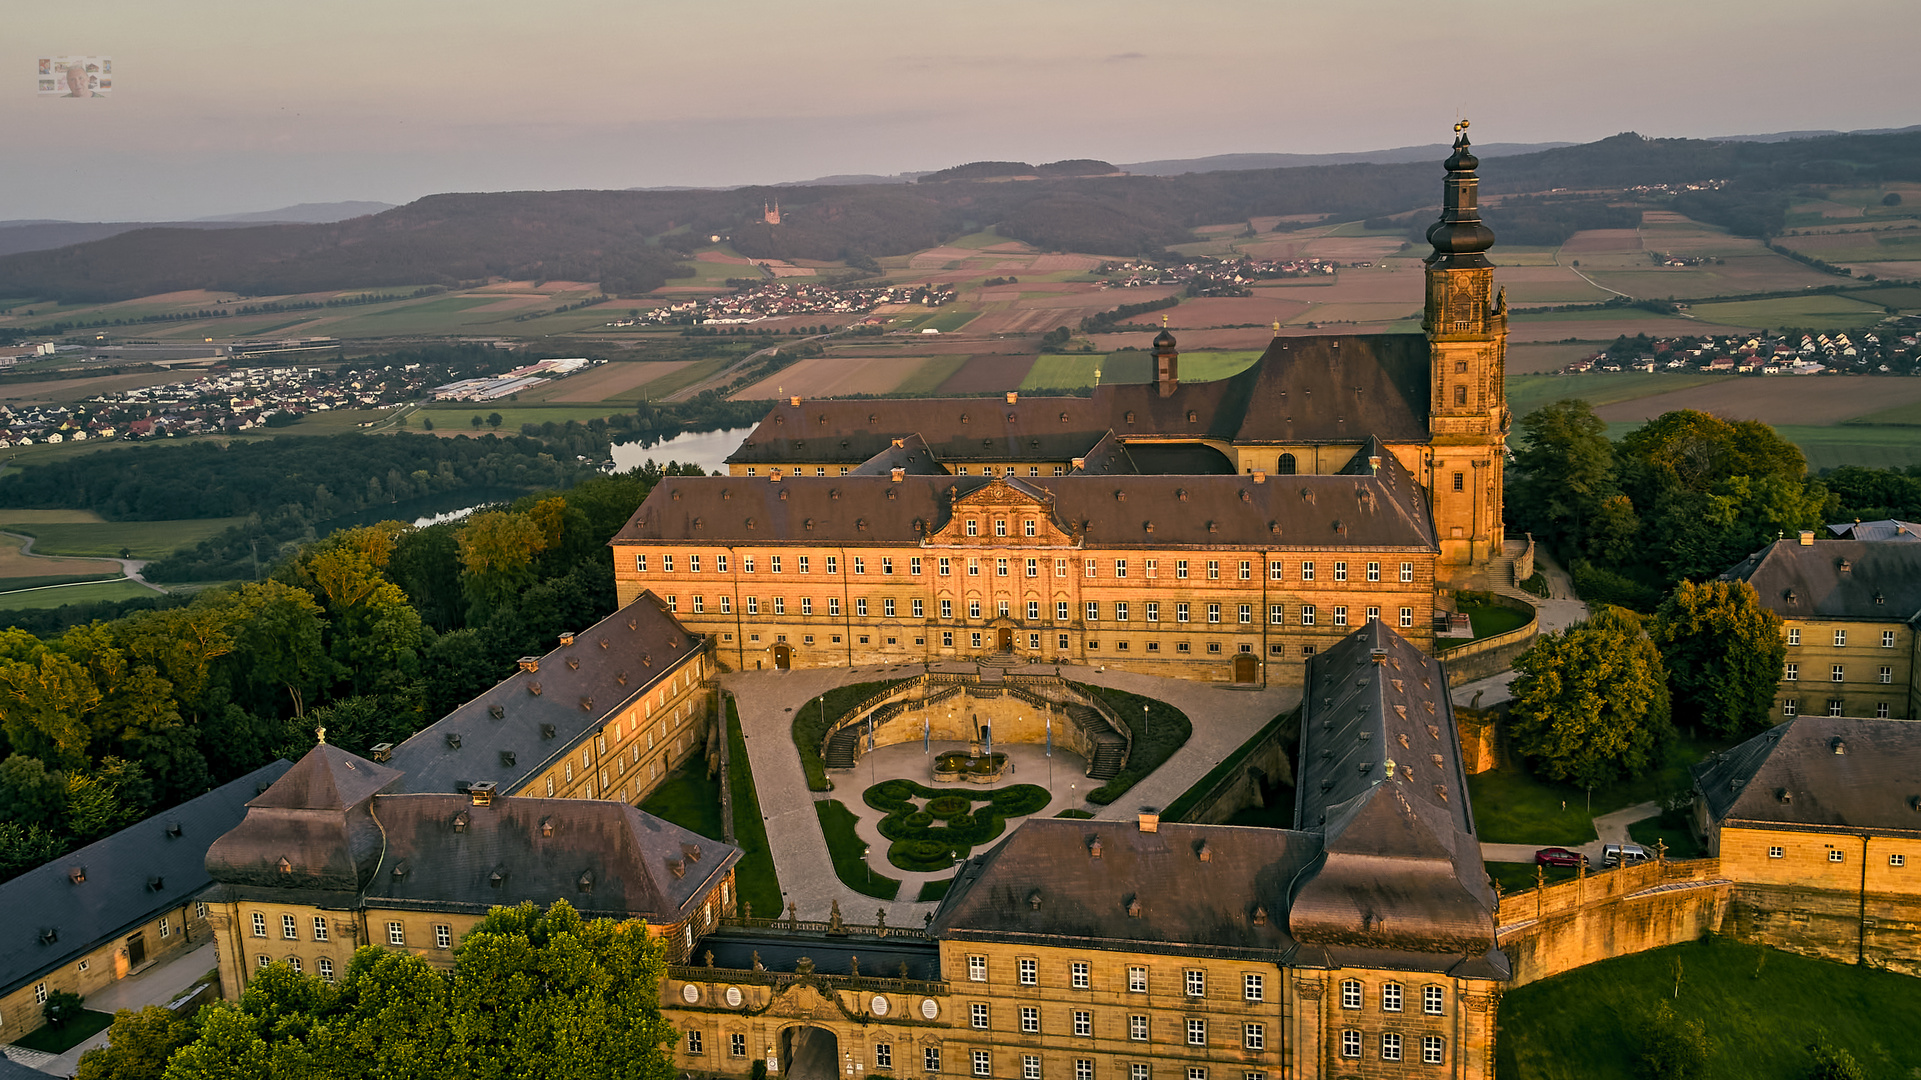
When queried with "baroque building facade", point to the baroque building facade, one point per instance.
{"points": [[1222, 530]]}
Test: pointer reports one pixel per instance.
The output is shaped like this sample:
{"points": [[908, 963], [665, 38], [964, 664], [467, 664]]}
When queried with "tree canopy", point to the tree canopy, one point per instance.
{"points": [[1591, 702], [532, 995], [1723, 652]]}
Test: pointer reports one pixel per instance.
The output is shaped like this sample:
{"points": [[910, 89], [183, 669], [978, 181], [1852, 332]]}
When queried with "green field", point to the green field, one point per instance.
{"points": [[1761, 1008], [1823, 311], [118, 589], [458, 416], [141, 539], [1065, 371], [932, 372], [945, 321], [1526, 393]]}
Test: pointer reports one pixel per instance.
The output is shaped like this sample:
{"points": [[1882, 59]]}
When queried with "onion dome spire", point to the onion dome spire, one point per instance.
{"points": [[1460, 237]]}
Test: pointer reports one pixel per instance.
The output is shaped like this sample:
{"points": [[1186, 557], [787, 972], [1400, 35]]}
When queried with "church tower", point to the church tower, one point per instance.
{"points": [[1167, 362], [1466, 325]]}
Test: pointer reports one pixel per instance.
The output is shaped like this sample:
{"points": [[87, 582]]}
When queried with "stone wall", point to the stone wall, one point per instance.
{"points": [[1266, 763], [1524, 562], [1491, 655], [1877, 929], [1548, 930], [1480, 731]]}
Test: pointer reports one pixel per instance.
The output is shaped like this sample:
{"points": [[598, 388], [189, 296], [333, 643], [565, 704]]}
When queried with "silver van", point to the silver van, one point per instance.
{"points": [[1613, 855]]}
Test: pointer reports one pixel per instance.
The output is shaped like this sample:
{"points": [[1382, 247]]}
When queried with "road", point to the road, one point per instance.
{"points": [[130, 567]]}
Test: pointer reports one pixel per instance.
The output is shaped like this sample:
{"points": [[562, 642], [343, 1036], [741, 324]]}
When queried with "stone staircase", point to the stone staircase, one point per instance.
{"points": [[843, 746], [1110, 750]]}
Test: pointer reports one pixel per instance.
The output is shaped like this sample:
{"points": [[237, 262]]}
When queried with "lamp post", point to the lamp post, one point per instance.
{"points": [[864, 849], [1143, 723]]}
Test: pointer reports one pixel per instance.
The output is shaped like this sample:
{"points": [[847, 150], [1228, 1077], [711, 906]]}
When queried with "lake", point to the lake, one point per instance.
{"points": [[708, 449]]}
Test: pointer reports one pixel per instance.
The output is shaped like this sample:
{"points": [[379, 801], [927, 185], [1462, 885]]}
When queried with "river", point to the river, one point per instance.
{"points": [[708, 449]]}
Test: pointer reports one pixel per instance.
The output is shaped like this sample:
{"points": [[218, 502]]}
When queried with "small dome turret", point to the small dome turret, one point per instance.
{"points": [[1460, 237], [1163, 340]]}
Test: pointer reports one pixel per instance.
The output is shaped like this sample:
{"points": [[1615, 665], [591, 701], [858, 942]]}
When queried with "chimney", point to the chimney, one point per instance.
{"points": [[1807, 537], [382, 751], [773, 477], [794, 402], [1260, 477], [1379, 656], [1374, 464], [898, 474], [529, 664], [566, 638], [1013, 396], [482, 792], [1094, 848], [1149, 823], [1080, 463]]}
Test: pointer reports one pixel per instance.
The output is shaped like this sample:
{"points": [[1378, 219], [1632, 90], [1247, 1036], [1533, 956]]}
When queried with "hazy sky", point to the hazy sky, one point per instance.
{"points": [[223, 106]]}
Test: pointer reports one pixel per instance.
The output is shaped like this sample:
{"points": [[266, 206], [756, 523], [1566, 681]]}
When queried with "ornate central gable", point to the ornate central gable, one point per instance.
{"points": [[998, 513]]}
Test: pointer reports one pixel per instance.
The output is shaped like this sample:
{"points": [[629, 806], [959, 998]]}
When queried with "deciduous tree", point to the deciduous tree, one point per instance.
{"points": [[1723, 652], [1591, 702]]}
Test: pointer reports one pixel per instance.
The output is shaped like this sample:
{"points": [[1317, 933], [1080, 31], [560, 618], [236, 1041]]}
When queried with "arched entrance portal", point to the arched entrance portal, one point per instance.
{"points": [[783, 657], [1247, 669], [1004, 638], [809, 1053]]}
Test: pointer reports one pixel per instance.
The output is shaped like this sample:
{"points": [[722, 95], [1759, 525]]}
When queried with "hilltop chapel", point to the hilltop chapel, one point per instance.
{"points": [[1221, 530]]}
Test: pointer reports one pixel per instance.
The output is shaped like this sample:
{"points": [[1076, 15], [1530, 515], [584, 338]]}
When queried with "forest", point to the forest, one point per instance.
{"points": [[373, 632], [632, 241]]}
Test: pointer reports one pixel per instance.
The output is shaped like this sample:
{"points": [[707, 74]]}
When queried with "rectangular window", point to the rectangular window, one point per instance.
{"points": [[640, 563], [1196, 1031], [977, 1014], [1153, 610], [1137, 980], [887, 608], [1030, 1067], [1083, 1023], [1373, 614], [700, 604], [1460, 479], [1794, 635], [930, 1059], [1027, 971], [886, 566], [753, 605], [166, 929], [1090, 568], [259, 925], [780, 605], [1137, 1027], [396, 934], [1391, 997], [973, 609], [693, 1040], [1432, 1050], [1431, 1000], [1897, 861], [833, 564], [1213, 613], [666, 564], [1887, 639], [1196, 982], [1254, 987], [1027, 527], [1120, 568], [1407, 571], [1180, 612], [1033, 568], [443, 936], [1307, 571], [1060, 567], [1791, 707], [983, 1063], [1093, 611], [860, 564], [1340, 615], [1180, 569], [944, 566], [746, 564], [737, 1047], [1350, 1044], [1307, 614], [947, 639], [1836, 855], [1373, 571], [1060, 611], [1000, 567], [1253, 1037], [1120, 611], [289, 930], [1350, 994], [1083, 1069], [1838, 675], [920, 608], [1030, 1020], [1881, 710], [946, 609], [726, 605], [977, 969], [1276, 571], [973, 527], [973, 568], [1213, 569], [806, 605], [1245, 613], [1000, 524], [1791, 672], [833, 606], [1887, 674], [319, 928], [1391, 1040], [1246, 570], [1840, 639], [326, 967], [1340, 571], [773, 564]]}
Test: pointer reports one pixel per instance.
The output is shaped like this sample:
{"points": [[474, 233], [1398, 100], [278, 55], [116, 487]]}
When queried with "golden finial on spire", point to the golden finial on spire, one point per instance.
{"points": [[1163, 322], [1460, 126], [321, 734], [1277, 328]]}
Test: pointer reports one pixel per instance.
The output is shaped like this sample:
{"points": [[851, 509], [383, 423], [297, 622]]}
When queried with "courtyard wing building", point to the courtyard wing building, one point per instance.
{"points": [[1226, 530]]}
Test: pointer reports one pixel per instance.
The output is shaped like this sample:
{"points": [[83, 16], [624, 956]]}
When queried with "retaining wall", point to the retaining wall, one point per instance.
{"points": [[1548, 930], [1491, 655]]}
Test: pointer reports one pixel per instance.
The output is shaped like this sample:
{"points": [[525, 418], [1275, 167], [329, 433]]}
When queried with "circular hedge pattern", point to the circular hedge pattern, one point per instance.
{"points": [[949, 825]]}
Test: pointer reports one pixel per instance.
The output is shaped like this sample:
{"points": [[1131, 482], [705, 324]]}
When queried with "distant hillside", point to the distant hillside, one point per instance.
{"points": [[47, 235], [1397, 156], [1019, 170], [629, 240], [310, 213]]}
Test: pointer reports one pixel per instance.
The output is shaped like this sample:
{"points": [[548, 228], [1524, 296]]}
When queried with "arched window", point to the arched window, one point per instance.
{"points": [[1285, 467]]}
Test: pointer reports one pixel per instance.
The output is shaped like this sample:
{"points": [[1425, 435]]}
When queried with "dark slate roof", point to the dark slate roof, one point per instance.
{"points": [[1382, 511], [1872, 786], [315, 819], [1106, 458], [13, 1070], [1886, 529], [1179, 458], [119, 892], [1339, 389], [1835, 579], [1190, 904], [909, 453], [1336, 388], [620, 658], [1403, 869], [443, 853]]}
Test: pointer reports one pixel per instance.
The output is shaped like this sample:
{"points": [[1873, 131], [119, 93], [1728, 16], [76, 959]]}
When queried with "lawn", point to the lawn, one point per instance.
{"points": [[1671, 829], [1761, 1008], [754, 876], [1489, 620], [845, 847], [1066, 371], [1515, 877], [1158, 733], [934, 890], [139, 539], [689, 798], [1512, 806], [811, 720], [93, 592], [52, 1040]]}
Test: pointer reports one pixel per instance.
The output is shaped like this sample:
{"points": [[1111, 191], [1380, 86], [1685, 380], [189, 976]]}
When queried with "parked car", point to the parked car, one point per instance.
{"points": [[1623, 854], [1559, 856]]}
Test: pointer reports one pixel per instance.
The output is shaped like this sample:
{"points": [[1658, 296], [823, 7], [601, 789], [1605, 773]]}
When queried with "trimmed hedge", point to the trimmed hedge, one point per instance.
{"points": [[948, 806], [918, 843]]}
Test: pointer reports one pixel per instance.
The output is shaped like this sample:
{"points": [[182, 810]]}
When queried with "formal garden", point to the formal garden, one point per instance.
{"points": [[930, 829]]}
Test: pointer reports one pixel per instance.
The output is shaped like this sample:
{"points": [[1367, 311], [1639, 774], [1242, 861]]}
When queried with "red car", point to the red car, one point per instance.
{"points": [[1557, 856]]}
